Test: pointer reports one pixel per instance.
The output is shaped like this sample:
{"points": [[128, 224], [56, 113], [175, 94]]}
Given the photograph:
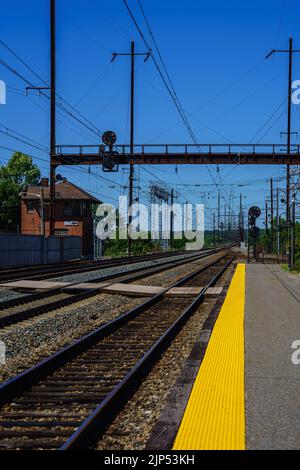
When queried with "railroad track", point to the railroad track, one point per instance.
{"points": [[68, 400], [46, 272], [19, 309]]}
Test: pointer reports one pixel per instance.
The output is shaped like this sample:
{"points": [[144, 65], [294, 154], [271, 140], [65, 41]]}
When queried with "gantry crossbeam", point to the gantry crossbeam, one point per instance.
{"points": [[189, 154]]}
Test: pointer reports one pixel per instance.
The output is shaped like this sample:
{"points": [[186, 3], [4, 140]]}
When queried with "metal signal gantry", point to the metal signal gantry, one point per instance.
{"points": [[174, 154]]}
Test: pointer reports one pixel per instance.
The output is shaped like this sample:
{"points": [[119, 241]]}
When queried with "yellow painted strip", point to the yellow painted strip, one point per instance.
{"points": [[214, 418]]}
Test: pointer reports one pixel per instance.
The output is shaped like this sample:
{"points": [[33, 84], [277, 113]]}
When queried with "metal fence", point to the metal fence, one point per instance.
{"points": [[26, 250], [9, 228]]}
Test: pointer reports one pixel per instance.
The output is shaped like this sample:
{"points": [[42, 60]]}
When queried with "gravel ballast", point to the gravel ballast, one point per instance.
{"points": [[89, 276], [35, 339], [170, 276], [132, 427], [7, 294], [32, 340]]}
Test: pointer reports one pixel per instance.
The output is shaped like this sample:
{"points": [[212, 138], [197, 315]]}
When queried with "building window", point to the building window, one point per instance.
{"points": [[68, 208], [76, 208], [31, 206], [83, 209]]}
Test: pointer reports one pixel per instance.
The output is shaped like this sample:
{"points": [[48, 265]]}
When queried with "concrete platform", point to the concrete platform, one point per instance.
{"points": [[244, 375], [272, 381]]}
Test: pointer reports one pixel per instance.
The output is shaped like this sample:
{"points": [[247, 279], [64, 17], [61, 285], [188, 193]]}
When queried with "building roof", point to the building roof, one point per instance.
{"points": [[63, 190]]}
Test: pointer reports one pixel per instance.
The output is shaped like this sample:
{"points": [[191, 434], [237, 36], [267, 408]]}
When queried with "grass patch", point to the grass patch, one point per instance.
{"points": [[285, 267]]}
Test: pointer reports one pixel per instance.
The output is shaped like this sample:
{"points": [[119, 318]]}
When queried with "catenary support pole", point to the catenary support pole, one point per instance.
{"points": [[52, 116]]}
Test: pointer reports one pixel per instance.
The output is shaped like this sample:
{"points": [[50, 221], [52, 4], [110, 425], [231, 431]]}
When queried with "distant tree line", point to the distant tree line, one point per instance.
{"points": [[15, 176]]}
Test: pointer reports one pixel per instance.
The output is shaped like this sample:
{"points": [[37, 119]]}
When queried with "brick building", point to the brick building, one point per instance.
{"points": [[73, 212]]}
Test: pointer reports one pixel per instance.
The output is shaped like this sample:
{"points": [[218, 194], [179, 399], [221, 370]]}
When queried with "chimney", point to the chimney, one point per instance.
{"points": [[44, 182]]}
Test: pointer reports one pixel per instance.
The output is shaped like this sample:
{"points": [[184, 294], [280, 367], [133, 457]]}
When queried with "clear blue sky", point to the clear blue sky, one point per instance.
{"points": [[214, 52]]}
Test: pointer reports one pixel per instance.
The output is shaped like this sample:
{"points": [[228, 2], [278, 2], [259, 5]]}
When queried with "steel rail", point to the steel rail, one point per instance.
{"points": [[135, 274], [95, 425], [45, 272], [75, 348], [40, 295], [107, 409], [12, 318]]}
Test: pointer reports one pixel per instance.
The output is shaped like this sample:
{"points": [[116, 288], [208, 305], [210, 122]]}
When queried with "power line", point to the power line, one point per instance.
{"points": [[45, 83], [90, 126], [213, 98], [78, 169], [272, 125], [170, 87], [19, 75], [268, 120], [22, 138]]}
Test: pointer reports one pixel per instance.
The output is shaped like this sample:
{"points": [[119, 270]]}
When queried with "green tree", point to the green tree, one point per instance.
{"points": [[14, 178]]}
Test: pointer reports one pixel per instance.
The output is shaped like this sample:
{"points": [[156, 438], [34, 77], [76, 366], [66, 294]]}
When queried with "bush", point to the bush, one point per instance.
{"points": [[297, 265]]}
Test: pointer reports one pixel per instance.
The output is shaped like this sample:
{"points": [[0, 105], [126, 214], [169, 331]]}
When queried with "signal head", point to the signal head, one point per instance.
{"points": [[109, 138], [254, 211]]}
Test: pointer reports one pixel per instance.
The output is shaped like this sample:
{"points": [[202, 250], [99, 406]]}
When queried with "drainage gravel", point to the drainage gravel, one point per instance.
{"points": [[32, 340]]}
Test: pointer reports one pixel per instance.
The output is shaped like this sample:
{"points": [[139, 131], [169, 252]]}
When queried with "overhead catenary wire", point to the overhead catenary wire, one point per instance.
{"points": [[171, 90], [76, 169], [268, 120], [67, 111], [46, 83], [22, 138], [89, 126]]}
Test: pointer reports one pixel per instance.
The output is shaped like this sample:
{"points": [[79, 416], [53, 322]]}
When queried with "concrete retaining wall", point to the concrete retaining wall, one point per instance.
{"points": [[26, 250]]}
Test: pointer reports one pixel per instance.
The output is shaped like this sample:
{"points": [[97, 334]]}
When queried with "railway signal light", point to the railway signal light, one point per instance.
{"points": [[109, 138], [254, 211], [110, 158], [110, 162]]}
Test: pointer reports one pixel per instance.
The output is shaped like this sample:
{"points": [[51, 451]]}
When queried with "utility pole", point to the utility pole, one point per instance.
{"points": [[290, 51], [42, 213], [272, 216], [248, 238], [131, 167], [243, 225], [288, 176], [218, 228], [132, 55], [266, 219], [172, 220], [214, 225], [277, 224], [293, 232], [241, 221], [52, 117], [225, 222]]}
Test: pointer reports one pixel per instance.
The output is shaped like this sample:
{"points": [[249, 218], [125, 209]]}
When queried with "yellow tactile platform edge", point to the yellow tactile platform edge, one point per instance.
{"points": [[214, 418]]}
